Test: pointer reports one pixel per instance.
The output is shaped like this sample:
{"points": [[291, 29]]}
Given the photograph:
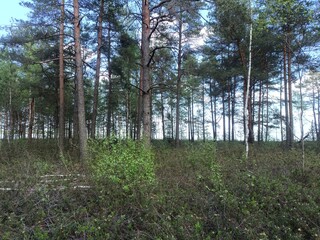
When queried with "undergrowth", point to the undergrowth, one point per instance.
{"points": [[130, 191]]}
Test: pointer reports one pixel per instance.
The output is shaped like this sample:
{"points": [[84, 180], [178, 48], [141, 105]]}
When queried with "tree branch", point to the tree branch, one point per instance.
{"points": [[159, 5]]}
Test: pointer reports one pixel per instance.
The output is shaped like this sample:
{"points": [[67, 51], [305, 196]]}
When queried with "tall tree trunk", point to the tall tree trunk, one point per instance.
{"points": [[192, 116], [248, 123], [215, 116], [260, 106], [146, 80], [233, 108], [203, 113], [178, 91], [80, 86], [75, 114], [9, 118], [189, 118], [318, 133], [291, 132], [281, 112], [247, 110], [212, 111], [223, 116], [267, 115], [97, 76], [285, 85], [301, 125], [139, 105], [314, 114], [31, 118], [110, 86], [162, 115], [61, 81], [229, 109]]}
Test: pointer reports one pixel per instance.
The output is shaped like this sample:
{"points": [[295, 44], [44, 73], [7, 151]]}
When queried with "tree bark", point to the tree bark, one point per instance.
{"points": [[80, 88], [110, 85], [247, 110], [291, 132], [260, 106], [97, 76], [162, 115], [212, 111], [203, 113], [146, 80], [229, 109], [178, 91], [223, 116], [315, 114], [233, 108], [31, 118], [285, 83], [61, 80]]}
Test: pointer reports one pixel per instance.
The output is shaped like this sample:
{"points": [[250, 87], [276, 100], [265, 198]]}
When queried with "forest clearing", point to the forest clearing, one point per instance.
{"points": [[197, 191], [160, 119]]}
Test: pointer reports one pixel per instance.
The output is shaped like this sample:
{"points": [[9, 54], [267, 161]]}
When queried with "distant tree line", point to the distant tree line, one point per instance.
{"points": [[170, 69]]}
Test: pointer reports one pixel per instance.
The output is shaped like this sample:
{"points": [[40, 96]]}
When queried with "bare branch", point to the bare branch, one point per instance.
{"points": [[159, 5]]}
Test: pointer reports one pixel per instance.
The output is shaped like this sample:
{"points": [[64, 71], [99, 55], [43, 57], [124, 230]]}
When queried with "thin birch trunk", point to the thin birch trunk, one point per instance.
{"points": [[247, 109]]}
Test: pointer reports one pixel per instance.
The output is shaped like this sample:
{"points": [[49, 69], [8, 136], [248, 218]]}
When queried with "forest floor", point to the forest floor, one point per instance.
{"points": [[200, 191]]}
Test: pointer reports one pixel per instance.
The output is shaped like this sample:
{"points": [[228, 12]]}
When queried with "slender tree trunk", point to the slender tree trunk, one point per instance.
{"points": [[215, 117], [248, 123], [229, 110], [97, 76], [291, 132], [285, 83], [212, 111], [263, 105], [75, 115], [260, 106], [203, 113], [9, 118], [318, 133], [110, 87], [192, 117], [281, 112], [31, 118], [179, 83], [314, 114], [80, 87], [223, 116], [146, 80], [233, 107], [61, 81], [189, 119], [301, 125], [140, 104], [171, 122], [247, 110], [162, 115]]}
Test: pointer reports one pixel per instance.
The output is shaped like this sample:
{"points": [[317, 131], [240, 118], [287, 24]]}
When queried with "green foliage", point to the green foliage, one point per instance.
{"points": [[202, 157], [199, 191], [127, 163]]}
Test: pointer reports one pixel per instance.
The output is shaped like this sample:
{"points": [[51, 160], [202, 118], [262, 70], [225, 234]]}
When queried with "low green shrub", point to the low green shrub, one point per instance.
{"points": [[203, 159], [127, 163]]}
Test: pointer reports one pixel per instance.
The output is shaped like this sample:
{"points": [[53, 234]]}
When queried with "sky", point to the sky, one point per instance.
{"points": [[11, 9]]}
